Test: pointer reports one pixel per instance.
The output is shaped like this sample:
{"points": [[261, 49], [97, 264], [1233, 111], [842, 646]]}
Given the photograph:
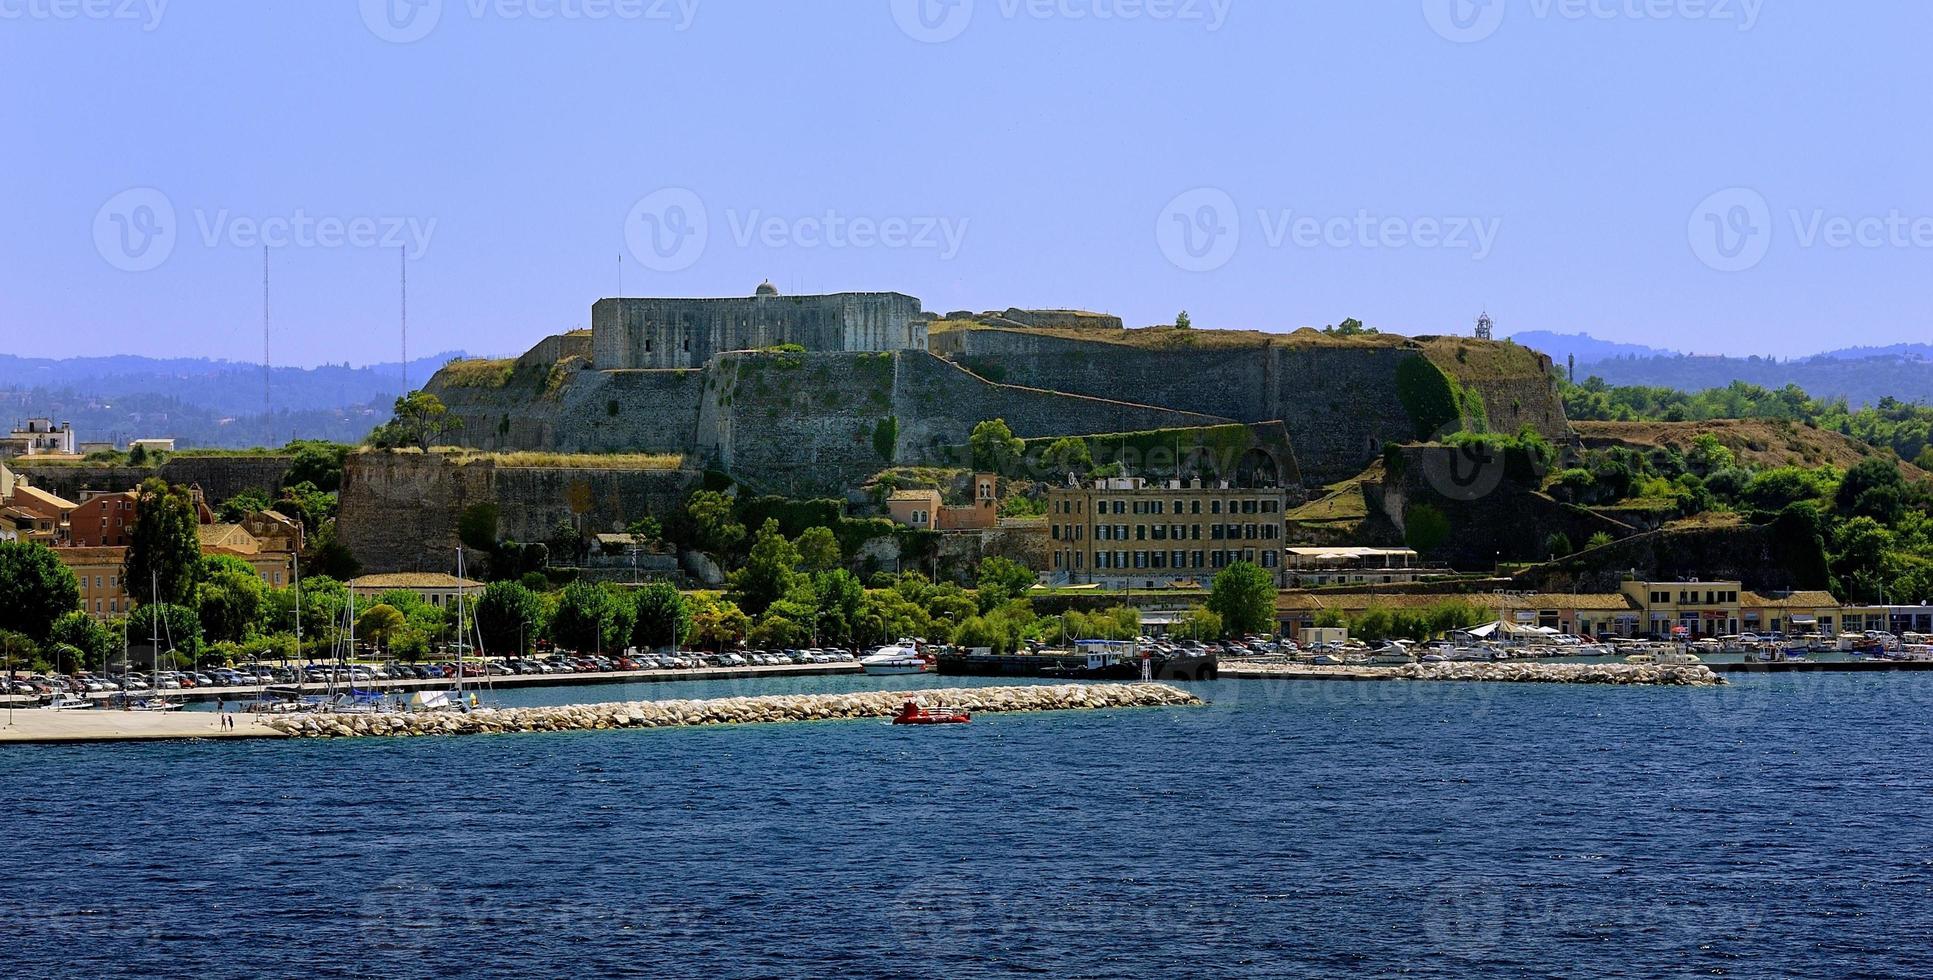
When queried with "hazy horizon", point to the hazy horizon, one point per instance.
{"points": [[1685, 175]]}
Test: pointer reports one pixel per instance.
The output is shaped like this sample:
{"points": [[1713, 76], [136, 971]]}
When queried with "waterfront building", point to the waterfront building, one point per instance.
{"points": [[436, 588], [1129, 532], [1310, 567]]}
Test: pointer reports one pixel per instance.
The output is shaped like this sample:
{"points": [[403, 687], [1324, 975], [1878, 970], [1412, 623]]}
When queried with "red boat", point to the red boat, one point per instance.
{"points": [[911, 713]]}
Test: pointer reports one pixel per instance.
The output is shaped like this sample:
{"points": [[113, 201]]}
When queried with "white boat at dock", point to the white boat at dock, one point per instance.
{"points": [[895, 659]]}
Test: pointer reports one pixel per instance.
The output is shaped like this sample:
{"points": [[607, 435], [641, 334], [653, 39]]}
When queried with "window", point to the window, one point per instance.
{"points": [[1194, 506], [1214, 507]]}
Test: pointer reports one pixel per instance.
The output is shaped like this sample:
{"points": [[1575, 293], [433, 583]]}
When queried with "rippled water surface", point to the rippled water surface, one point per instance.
{"points": [[1776, 827]]}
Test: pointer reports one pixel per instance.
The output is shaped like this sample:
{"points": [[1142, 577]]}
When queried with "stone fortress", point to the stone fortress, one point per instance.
{"points": [[881, 383], [643, 334]]}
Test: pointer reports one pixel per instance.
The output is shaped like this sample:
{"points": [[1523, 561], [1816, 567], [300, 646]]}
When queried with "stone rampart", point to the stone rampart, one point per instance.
{"points": [[400, 509]]}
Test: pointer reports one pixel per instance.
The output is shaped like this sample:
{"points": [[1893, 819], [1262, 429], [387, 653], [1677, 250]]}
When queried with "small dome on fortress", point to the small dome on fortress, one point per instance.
{"points": [[766, 289]]}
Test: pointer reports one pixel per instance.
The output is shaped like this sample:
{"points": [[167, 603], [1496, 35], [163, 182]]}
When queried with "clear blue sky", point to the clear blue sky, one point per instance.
{"points": [[1054, 147]]}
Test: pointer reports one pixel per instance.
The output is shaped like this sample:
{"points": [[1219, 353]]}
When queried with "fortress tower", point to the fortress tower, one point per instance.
{"points": [[686, 333]]}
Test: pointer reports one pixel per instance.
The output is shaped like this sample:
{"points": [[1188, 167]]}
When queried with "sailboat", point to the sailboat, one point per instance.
{"points": [[351, 702], [452, 700], [153, 703]]}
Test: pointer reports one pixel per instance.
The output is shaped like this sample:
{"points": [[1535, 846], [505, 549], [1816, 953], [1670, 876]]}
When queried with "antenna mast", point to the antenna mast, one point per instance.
{"points": [[402, 253], [267, 384]]}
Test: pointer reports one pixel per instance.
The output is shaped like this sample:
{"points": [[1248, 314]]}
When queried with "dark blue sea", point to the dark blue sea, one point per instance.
{"points": [[1777, 827]]}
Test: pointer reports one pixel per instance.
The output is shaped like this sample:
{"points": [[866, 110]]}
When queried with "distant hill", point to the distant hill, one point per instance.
{"points": [[1861, 375], [205, 403], [1586, 347]]}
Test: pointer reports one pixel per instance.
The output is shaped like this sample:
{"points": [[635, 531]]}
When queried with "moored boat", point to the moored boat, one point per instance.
{"points": [[903, 657], [913, 713]]}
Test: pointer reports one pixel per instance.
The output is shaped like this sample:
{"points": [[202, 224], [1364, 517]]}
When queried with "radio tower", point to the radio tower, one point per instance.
{"points": [[1484, 325], [267, 383], [402, 253]]}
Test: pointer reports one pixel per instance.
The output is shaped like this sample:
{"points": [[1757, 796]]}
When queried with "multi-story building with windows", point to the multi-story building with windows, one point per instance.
{"points": [[1127, 532]]}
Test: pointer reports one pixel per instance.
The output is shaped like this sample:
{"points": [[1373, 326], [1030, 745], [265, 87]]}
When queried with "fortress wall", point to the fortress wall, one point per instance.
{"points": [[1515, 383], [805, 423], [219, 477], [1228, 383], [400, 510], [655, 412], [1339, 403], [685, 333]]}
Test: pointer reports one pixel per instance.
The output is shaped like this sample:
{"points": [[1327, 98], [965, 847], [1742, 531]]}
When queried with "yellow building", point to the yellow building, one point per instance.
{"points": [[1127, 532]]}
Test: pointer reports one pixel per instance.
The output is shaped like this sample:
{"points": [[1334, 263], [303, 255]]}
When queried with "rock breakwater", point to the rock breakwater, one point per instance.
{"points": [[1628, 675], [728, 711]]}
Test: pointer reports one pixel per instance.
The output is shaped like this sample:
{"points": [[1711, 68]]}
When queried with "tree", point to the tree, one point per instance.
{"points": [[1183, 321], [1199, 622], [35, 589], [509, 617], [318, 464], [711, 526], [588, 619], [1601, 539], [1558, 545], [420, 418], [1244, 597], [1001, 580], [1068, 454], [841, 605], [718, 623], [819, 550], [249, 501], [180, 628], [83, 633], [771, 570], [164, 546], [229, 599], [995, 450], [662, 618], [1874, 489], [380, 624]]}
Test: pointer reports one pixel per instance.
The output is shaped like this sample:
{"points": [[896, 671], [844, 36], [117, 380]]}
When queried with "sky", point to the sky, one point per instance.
{"points": [[1735, 176]]}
